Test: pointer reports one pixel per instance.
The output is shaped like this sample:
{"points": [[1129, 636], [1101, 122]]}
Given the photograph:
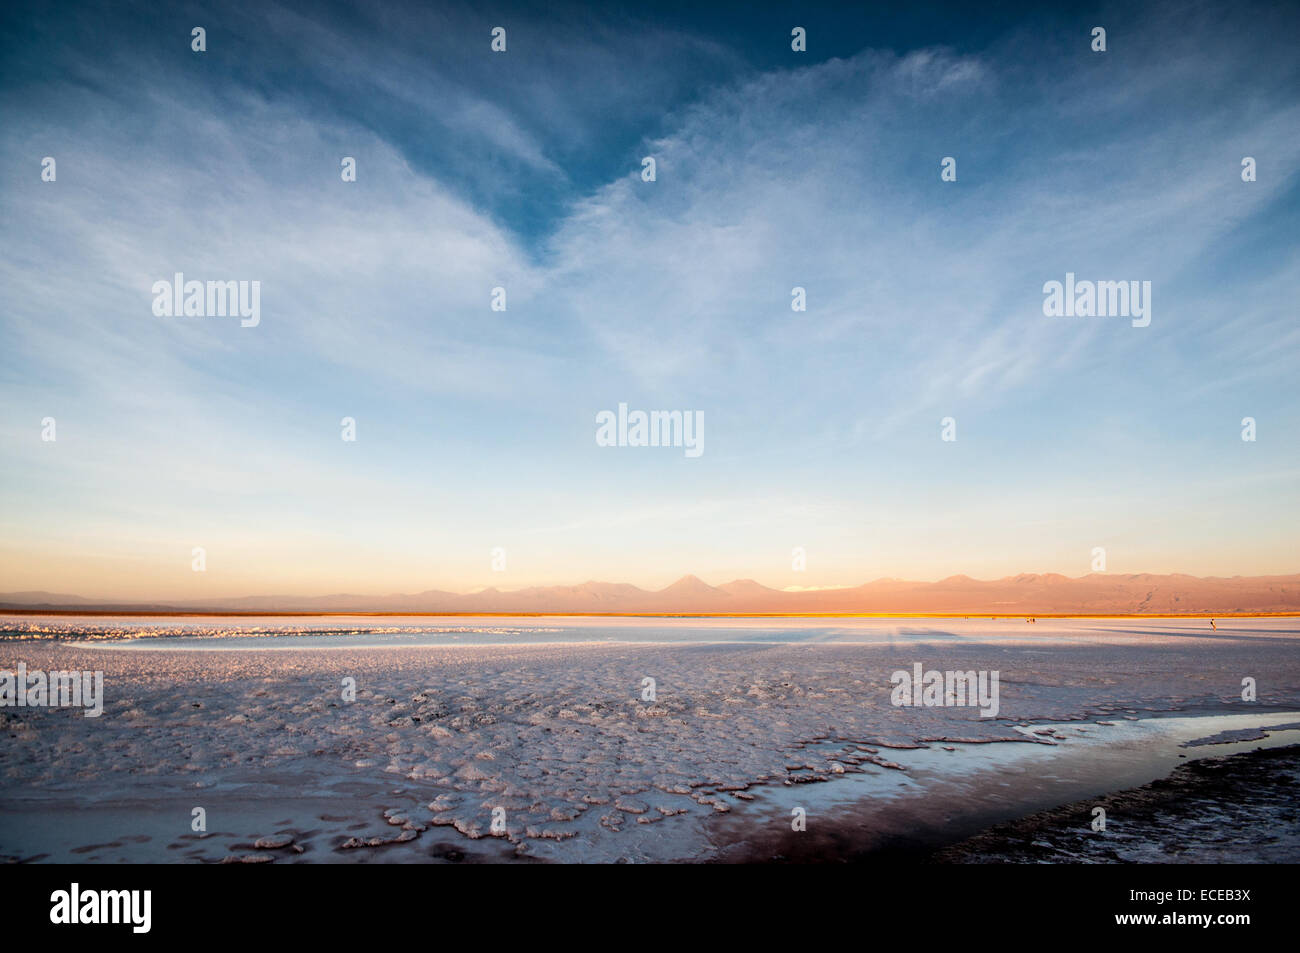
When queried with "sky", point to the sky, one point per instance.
{"points": [[775, 169]]}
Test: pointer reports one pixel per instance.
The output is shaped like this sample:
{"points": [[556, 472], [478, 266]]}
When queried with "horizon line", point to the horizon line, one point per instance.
{"points": [[157, 613]]}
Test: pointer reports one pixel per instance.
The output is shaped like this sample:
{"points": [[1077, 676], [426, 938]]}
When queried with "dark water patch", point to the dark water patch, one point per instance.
{"points": [[1239, 809]]}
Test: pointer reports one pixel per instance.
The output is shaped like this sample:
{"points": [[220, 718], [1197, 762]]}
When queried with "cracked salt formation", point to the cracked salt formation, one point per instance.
{"points": [[557, 735]]}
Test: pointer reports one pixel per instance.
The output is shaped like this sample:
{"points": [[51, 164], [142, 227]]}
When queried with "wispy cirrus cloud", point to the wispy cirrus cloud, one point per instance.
{"points": [[924, 296]]}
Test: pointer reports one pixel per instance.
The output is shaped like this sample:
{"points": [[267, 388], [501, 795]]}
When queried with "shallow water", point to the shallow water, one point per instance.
{"points": [[268, 632], [944, 792]]}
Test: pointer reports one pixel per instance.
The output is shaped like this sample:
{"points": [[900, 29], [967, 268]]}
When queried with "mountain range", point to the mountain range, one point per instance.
{"points": [[1025, 594]]}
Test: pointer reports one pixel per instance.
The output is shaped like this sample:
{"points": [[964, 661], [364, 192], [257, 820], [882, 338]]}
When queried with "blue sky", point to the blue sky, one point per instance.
{"points": [[521, 169]]}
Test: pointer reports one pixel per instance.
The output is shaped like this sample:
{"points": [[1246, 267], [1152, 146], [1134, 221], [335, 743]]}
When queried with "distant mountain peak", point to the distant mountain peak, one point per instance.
{"points": [[689, 583]]}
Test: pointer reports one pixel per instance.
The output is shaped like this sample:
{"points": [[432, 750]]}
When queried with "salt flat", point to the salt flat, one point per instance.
{"points": [[542, 725]]}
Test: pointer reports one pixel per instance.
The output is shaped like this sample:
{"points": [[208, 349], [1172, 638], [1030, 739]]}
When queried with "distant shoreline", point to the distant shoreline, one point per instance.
{"points": [[160, 613]]}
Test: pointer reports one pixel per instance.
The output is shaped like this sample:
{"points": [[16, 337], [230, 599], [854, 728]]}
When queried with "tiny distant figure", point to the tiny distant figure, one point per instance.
{"points": [[1213, 626]]}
